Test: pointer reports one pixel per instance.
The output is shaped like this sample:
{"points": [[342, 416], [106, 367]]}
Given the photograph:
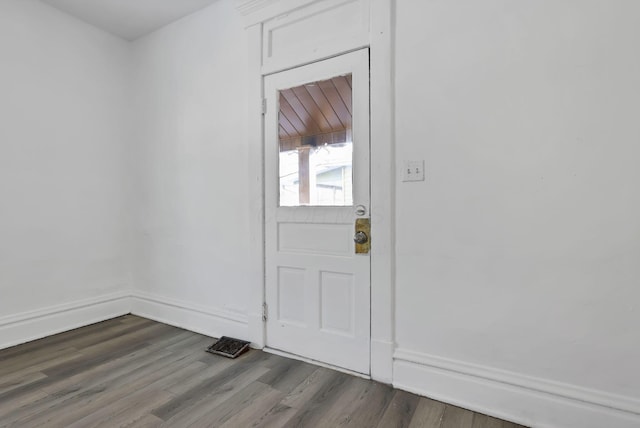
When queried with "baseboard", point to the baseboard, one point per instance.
{"points": [[529, 401], [32, 325], [204, 320], [256, 330]]}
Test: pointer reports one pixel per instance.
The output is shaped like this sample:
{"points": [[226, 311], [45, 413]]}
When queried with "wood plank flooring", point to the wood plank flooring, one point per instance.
{"points": [[133, 372]]}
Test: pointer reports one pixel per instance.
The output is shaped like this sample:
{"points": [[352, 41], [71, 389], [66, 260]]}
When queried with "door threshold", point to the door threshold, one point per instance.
{"points": [[316, 362]]}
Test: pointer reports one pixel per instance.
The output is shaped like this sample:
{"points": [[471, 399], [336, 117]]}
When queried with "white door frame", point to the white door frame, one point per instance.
{"points": [[382, 180]]}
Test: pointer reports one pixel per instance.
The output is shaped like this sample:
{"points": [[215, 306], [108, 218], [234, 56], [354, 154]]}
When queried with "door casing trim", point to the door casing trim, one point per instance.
{"points": [[382, 140]]}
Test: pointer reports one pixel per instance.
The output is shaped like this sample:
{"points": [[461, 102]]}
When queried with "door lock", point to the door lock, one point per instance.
{"points": [[361, 236]]}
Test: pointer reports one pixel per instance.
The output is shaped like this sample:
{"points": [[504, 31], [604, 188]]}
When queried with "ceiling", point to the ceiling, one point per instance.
{"points": [[320, 109], [129, 19]]}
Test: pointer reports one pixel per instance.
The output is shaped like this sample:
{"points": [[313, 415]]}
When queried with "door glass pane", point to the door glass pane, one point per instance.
{"points": [[316, 148]]}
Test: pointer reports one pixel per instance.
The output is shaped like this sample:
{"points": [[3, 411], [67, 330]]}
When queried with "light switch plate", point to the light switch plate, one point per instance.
{"points": [[413, 171]]}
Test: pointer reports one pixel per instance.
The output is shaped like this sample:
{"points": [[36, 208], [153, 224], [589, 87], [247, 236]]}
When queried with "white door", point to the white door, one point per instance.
{"points": [[316, 186]]}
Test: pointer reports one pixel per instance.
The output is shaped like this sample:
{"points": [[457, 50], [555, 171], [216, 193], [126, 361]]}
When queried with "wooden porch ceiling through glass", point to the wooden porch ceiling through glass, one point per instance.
{"points": [[320, 109]]}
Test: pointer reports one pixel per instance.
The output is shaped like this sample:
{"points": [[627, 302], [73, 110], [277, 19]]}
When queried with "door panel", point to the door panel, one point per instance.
{"points": [[316, 173], [319, 238]]}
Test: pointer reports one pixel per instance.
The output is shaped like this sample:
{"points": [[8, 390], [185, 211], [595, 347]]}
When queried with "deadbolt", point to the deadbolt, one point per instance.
{"points": [[360, 210]]}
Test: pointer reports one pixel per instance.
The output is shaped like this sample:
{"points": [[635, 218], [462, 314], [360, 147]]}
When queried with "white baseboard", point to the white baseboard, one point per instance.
{"points": [[27, 326], [529, 401], [204, 320], [256, 330]]}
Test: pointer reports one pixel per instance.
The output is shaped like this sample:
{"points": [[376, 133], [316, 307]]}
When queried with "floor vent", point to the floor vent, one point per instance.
{"points": [[229, 347]]}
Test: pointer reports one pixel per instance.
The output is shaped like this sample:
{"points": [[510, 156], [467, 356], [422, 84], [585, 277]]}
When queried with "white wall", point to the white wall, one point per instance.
{"points": [[517, 260], [63, 136], [521, 251], [192, 214]]}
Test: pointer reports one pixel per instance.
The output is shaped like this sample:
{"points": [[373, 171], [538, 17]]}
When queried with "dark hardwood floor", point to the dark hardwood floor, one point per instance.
{"points": [[134, 372]]}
